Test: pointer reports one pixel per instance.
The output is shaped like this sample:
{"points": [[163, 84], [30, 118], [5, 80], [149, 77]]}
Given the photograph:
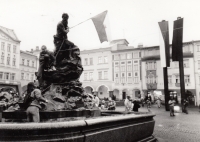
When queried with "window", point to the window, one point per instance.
{"points": [[135, 67], [198, 48], [176, 64], [14, 61], [6, 75], [33, 63], [129, 79], [8, 59], [13, 76], [105, 74], [86, 61], [122, 68], [27, 62], [129, 62], [32, 77], [177, 79], [186, 63], [117, 69], [129, 55], [22, 76], [116, 63], [91, 61], [2, 58], [27, 76], [91, 75], [135, 55], [8, 49], [1, 75], [100, 75], [129, 68], [105, 59], [85, 76], [122, 56], [100, 60], [123, 78], [23, 61], [14, 48], [187, 78], [116, 75], [2, 46], [116, 57], [169, 79]]}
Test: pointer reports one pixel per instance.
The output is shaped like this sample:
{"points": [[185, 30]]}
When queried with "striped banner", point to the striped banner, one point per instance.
{"points": [[164, 44]]}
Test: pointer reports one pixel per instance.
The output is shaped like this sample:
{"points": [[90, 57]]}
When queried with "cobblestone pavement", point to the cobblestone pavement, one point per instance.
{"points": [[180, 128]]}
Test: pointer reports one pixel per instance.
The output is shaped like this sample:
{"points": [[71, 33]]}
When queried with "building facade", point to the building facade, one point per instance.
{"points": [[28, 67], [152, 72], [9, 56], [112, 71]]}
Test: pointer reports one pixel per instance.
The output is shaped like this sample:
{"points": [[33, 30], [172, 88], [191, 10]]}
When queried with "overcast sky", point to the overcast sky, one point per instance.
{"points": [[34, 21]]}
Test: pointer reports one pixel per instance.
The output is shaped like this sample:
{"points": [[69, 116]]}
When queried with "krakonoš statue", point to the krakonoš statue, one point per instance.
{"points": [[61, 71]]}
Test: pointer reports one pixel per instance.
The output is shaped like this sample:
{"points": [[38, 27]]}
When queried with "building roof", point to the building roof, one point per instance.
{"points": [[96, 50], [28, 53], [10, 33]]}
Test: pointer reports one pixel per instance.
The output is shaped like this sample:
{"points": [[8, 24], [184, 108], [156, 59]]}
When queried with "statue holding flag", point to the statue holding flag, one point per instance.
{"points": [[61, 41]]}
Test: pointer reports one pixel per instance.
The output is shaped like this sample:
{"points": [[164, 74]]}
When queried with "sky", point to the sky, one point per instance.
{"points": [[34, 21]]}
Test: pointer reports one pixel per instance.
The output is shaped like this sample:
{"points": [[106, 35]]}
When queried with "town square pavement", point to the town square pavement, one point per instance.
{"points": [[180, 128]]}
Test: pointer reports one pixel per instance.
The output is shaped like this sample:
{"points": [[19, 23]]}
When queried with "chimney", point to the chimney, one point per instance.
{"points": [[31, 50], [140, 45], [37, 48]]}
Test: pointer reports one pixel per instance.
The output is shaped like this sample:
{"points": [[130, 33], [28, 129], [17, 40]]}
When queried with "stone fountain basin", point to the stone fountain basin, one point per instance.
{"points": [[119, 127]]}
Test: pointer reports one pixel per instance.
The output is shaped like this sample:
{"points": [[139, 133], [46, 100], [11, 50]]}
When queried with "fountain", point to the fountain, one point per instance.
{"points": [[70, 114]]}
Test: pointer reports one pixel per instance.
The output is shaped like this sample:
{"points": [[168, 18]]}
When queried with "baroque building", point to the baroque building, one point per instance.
{"points": [[9, 57], [28, 67]]}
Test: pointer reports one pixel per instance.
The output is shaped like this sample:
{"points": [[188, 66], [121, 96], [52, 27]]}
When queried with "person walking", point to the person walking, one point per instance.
{"points": [[136, 105], [111, 104], [128, 104], [159, 102], [185, 105], [171, 105], [96, 100]]}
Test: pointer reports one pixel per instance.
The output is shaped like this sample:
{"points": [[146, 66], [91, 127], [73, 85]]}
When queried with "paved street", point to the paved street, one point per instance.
{"points": [[181, 128]]}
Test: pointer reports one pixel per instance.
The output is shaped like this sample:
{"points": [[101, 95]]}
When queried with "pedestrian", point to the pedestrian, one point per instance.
{"points": [[103, 106], [185, 105], [158, 102], [128, 104], [171, 105], [96, 100], [142, 101], [136, 105], [111, 104], [33, 99]]}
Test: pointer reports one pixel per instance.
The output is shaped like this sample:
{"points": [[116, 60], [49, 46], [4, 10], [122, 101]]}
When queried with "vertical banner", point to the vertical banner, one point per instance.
{"points": [[177, 52], [164, 44]]}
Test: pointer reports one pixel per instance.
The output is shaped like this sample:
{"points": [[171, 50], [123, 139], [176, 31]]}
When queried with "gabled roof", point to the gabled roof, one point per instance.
{"points": [[10, 33]]}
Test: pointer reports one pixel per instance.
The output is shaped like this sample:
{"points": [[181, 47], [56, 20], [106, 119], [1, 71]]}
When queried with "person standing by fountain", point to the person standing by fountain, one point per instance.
{"points": [[33, 99], [96, 101], [128, 104], [45, 62]]}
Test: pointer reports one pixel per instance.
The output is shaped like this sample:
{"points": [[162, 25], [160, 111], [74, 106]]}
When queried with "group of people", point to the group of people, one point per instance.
{"points": [[105, 105], [131, 105]]}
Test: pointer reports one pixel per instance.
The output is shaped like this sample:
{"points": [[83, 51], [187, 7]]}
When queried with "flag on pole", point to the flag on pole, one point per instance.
{"points": [[177, 52], [98, 21], [164, 44]]}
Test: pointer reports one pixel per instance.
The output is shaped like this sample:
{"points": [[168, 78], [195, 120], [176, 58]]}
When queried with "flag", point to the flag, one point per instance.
{"points": [[164, 44], [177, 52], [99, 21]]}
